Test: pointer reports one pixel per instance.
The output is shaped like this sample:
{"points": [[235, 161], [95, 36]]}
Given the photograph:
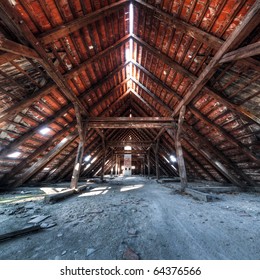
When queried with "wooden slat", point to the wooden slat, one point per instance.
{"points": [[72, 26], [244, 52], [7, 57], [17, 49], [179, 152], [251, 20], [18, 24], [36, 167], [177, 23]]}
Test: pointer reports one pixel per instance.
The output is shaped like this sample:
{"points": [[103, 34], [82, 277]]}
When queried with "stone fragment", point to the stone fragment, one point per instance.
{"points": [[130, 254]]}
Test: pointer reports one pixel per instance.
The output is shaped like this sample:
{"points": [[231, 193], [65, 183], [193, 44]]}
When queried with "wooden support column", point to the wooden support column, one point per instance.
{"points": [[149, 163], [179, 152], [116, 167], [80, 151], [156, 159], [103, 160]]}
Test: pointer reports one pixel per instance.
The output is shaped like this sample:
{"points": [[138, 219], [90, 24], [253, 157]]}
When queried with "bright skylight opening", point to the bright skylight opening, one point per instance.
{"points": [[128, 148], [45, 130], [131, 19], [129, 51], [14, 155], [173, 158], [64, 140], [87, 158]]}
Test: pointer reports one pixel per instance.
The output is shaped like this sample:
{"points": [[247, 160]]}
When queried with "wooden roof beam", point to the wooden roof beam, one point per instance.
{"points": [[106, 96], [17, 49], [115, 102], [18, 107], [15, 20], [72, 26], [160, 133], [7, 57], [17, 142], [191, 30], [125, 122], [244, 52], [36, 153], [203, 118], [177, 23], [248, 24], [241, 111], [36, 167]]}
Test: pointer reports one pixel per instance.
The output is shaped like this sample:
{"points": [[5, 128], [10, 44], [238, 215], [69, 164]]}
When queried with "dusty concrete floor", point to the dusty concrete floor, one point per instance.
{"points": [[132, 217]]}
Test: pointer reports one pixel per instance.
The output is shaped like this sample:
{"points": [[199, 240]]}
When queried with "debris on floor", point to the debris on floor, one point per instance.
{"points": [[129, 254]]}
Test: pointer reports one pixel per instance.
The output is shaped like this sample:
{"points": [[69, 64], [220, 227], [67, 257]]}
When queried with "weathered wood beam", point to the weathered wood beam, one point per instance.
{"points": [[128, 143], [240, 110], [103, 160], [74, 71], [36, 167], [177, 67], [115, 102], [158, 100], [15, 109], [63, 30], [156, 151], [203, 118], [218, 154], [80, 152], [227, 135], [157, 135], [65, 169], [25, 162], [179, 152], [191, 30], [244, 52], [17, 142], [7, 57], [169, 143], [248, 24], [186, 28], [142, 100], [18, 23], [106, 96], [218, 165], [127, 122], [17, 49], [18, 107], [149, 162], [132, 152]]}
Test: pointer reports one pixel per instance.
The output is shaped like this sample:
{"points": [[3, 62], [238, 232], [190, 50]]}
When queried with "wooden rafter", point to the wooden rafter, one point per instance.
{"points": [[244, 52], [17, 49], [72, 26], [240, 110], [36, 167], [248, 24]]}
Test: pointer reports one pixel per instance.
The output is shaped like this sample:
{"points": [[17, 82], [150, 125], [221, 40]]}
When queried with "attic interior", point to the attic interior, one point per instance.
{"points": [[151, 103]]}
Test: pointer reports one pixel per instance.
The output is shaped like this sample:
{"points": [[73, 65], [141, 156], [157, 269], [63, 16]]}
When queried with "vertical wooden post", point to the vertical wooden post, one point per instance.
{"points": [[149, 163], [157, 159], [80, 151], [119, 165], [103, 160], [180, 158], [116, 168]]}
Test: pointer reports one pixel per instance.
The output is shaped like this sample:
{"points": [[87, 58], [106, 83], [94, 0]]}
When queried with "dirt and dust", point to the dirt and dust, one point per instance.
{"points": [[132, 218]]}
